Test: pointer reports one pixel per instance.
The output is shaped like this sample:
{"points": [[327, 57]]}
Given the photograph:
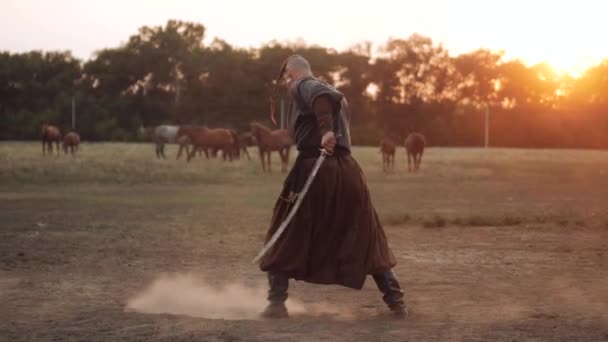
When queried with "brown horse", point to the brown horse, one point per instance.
{"points": [[236, 146], [204, 138], [388, 148], [414, 146], [48, 135], [234, 152], [278, 140], [71, 141], [246, 139]]}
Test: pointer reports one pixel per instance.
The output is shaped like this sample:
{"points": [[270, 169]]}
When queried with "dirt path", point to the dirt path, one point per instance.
{"points": [[68, 269]]}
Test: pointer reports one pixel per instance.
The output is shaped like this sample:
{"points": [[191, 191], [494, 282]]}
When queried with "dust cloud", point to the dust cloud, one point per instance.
{"points": [[192, 296]]}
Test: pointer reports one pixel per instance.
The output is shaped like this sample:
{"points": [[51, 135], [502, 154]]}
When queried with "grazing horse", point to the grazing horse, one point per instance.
{"points": [[278, 140], [71, 141], [166, 134], [48, 135], [414, 146], [235, 152], [246, 139], [388, 148], [204, 138]]}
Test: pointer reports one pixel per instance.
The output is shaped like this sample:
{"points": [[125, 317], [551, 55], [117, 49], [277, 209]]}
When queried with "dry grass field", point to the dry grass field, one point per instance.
{"points": [[115, 245]]}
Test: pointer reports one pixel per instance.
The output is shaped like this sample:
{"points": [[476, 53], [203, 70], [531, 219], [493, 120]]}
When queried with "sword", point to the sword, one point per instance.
{"points": [[295, 207]]}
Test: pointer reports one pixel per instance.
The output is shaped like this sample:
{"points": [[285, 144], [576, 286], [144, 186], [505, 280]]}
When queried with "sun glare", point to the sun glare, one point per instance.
{"points": [[572, 65], [566, 35]]}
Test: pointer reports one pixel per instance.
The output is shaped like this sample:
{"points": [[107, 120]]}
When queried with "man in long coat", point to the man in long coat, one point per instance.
{"points": [[335, 236]]}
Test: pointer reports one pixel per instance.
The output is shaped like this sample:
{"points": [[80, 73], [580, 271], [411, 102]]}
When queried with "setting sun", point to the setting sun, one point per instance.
{"points": [[567, 35]]}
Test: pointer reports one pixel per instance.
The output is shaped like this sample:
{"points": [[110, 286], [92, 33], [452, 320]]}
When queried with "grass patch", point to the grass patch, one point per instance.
{"points": [[580, 223], [438, 221], [456, 186], [397, 219], [434, 222]]}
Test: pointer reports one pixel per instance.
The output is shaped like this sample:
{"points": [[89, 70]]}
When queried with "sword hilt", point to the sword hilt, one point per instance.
{"points": [[326, 152]]}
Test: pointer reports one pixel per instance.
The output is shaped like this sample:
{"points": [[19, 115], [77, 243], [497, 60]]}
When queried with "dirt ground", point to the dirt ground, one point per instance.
{"points": [[75, 257]]}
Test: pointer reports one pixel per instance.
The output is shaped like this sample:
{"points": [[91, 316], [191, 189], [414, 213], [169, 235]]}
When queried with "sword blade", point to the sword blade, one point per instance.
{"points": [[294, 209]]}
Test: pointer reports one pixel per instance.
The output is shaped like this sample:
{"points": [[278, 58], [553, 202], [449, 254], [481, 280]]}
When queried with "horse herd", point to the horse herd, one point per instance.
{"points": [[201, 139], [51, 134], [231, 144], [414, 147]]}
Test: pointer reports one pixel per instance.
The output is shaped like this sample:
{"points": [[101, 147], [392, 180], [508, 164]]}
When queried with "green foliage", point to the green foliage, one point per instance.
{"points": [[165, 74]]}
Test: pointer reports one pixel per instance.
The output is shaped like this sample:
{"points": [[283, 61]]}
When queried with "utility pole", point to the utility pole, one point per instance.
{"points": [[73, 113], [487, 131]]}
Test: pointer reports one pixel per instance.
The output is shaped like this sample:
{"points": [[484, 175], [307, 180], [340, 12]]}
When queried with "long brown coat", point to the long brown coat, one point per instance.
{"points": [[336, 236]]}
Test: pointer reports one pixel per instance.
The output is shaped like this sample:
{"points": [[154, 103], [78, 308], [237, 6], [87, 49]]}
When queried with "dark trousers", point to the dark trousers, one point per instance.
{"points": [[387, 283]]}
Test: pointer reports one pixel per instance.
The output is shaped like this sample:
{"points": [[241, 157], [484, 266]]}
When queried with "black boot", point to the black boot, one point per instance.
{"points": [[392, 293], [277, 294]]}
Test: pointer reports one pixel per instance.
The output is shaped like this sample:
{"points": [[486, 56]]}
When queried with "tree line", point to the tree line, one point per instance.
{"points": [[166, 74]]}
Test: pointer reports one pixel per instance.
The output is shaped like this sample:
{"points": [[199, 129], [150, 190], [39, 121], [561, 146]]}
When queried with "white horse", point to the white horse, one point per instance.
{"points": [[166, 134]]}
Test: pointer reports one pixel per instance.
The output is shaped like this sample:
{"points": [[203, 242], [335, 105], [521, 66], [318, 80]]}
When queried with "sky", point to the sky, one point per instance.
{"points": [[569, 35]]}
